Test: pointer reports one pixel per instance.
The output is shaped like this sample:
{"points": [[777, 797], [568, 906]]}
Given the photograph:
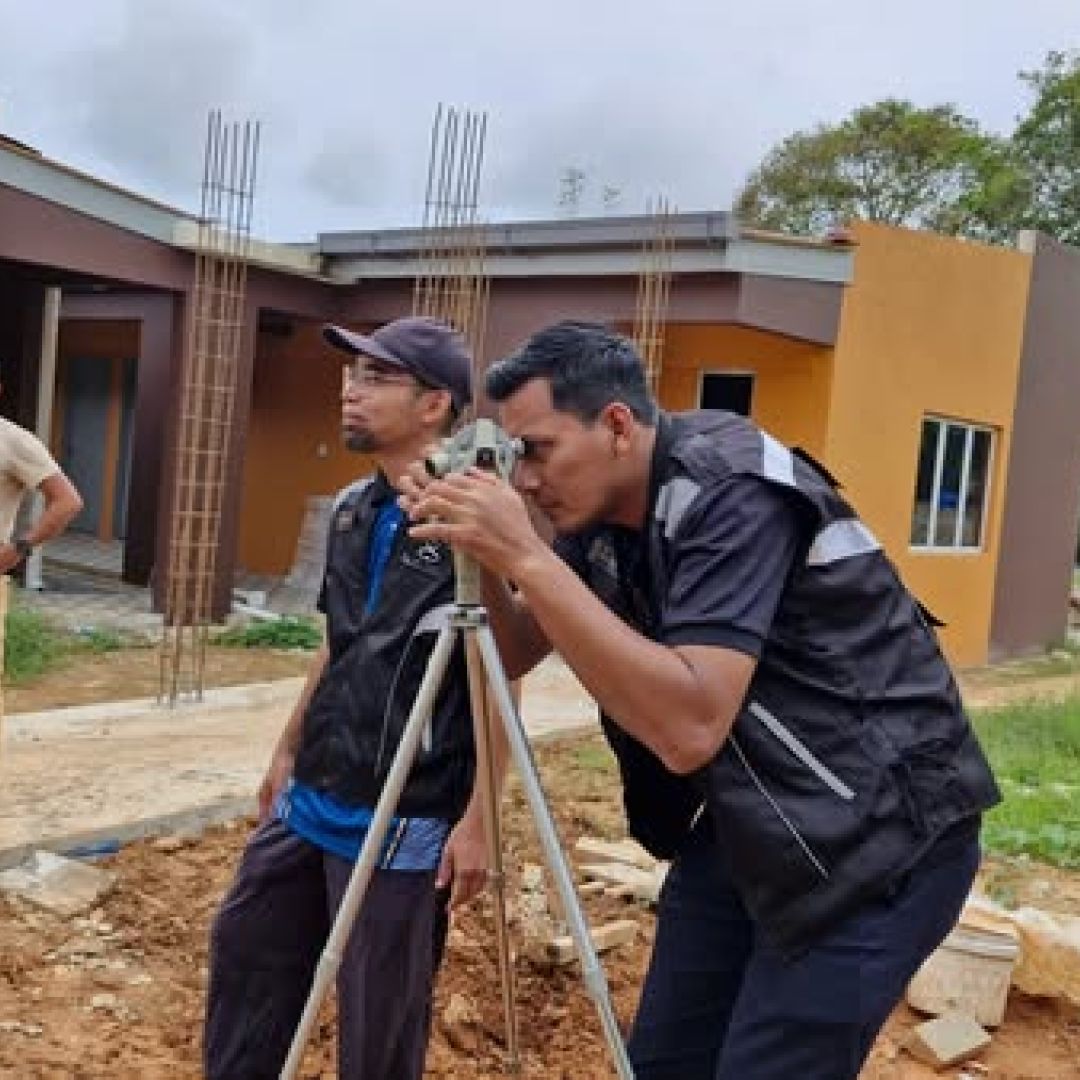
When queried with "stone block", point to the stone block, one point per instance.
{"points": [[947, 1040], [63, 886]]}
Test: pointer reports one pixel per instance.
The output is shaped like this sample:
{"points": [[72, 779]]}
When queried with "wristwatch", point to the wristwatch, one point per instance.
{"points": [[23, 546]]}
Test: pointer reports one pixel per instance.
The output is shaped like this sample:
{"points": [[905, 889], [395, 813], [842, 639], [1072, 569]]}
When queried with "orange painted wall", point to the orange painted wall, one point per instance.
{"points": [[929, 325], [791, 378], [295, 414]]}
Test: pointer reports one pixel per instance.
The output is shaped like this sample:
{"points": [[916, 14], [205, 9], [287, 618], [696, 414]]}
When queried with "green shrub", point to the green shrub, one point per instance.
{"points": [[32, 645], [290, 632]]}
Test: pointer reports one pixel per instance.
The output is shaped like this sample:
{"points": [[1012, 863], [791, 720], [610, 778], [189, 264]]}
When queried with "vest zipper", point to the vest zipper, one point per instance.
{"points": [[807, 850], [801, 751], [429, 622]]}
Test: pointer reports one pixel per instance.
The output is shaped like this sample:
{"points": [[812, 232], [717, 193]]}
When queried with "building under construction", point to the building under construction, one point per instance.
{"points": [[933, 377]]}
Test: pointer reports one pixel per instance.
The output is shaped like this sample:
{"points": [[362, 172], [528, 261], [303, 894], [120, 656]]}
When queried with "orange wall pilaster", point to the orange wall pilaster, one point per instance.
{"points": [[929, 325]]}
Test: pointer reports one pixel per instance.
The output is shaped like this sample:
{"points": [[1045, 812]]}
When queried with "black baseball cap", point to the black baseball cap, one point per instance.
{"points": [[427, 348]]}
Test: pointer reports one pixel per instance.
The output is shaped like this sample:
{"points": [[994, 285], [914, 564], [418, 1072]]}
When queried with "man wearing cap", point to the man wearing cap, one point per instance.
{"points": [[384, 596]]}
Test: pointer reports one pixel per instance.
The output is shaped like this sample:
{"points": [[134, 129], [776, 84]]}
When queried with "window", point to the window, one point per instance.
{"points": [[951, 485], [724, 390]]}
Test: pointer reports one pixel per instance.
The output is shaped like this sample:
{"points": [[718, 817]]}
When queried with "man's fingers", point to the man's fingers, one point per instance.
{"points": [[445, 873], [467, 886]]}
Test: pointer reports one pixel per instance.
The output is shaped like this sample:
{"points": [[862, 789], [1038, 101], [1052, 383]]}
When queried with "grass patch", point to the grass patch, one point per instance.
{"points": [[595, 757], [95, 639], [32, 645], [1034, 748], [290, 632]]}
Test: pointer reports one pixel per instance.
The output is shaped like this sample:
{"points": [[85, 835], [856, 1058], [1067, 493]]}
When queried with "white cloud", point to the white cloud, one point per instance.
{"points": [[681, 98]]}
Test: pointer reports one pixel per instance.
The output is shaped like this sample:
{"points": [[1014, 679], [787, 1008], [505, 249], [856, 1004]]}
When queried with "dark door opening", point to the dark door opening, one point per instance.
{"points": [[724, 390], [95, 447]]}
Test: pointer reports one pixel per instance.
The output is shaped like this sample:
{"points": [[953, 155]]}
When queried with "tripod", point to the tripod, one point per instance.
{"points": [[468, 617]]}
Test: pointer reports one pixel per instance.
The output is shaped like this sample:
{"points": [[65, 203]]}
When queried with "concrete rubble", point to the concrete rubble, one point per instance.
{"points": [[947, 1040], [63, 886]]}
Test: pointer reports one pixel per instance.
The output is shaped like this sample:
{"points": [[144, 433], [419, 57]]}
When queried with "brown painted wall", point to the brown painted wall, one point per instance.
{"points": [[1042, 488], [62, 242], [520, 306]]}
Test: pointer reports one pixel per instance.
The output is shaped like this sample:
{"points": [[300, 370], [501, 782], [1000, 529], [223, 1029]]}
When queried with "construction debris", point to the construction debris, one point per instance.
{"points": [[642, 884], [62, 886], [561, 950], [970, 972], [1048, 961], [947, 1040], [628, 870], [1049, 964], [621, 851], [460, 1021]]}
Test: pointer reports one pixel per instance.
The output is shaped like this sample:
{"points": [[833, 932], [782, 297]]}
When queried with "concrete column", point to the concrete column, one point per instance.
{"points": [[50, 327]]}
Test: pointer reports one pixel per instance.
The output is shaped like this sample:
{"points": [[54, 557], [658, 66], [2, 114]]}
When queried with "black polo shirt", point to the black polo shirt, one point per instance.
{"points": [[729, 562]]}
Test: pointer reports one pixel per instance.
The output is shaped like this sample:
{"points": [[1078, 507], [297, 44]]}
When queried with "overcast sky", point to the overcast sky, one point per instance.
{"points": [[676, 97]]}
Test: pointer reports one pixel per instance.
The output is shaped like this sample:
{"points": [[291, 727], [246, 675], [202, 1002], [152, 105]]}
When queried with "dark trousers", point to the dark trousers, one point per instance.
{"points": [[719, 1004], [267, 939]]}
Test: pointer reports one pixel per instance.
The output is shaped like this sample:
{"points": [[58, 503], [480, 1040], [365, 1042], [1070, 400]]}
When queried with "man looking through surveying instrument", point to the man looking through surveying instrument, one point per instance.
{"points": [[786, 727], [383, 594]]}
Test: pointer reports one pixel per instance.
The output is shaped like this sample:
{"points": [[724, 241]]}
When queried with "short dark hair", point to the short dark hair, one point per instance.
{"points": [[587, 366]]}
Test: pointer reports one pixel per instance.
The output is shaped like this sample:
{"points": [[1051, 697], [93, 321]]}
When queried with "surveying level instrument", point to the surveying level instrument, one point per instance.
{"points": [[480, 444]]}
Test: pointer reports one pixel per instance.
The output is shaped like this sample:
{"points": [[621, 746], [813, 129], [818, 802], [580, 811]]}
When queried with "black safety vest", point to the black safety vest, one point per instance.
{"points": [[357, 713], [851, 754]]}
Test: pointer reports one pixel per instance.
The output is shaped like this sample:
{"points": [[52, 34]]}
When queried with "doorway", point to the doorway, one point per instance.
{"points": [[97, 399]]}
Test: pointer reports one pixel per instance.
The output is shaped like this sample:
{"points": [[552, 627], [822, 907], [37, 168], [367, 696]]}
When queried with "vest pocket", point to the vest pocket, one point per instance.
{"points": [[763, 846], [800, 751], [777, 812]]}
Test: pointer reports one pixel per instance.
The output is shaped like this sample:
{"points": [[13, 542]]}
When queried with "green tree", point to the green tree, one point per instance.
{"points": [[1046, 144], [890, 162]]}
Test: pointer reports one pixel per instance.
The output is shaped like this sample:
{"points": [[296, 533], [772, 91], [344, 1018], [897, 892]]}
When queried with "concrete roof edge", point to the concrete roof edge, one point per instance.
{"points": [[303, 260], [34, 162], [694, 228]]}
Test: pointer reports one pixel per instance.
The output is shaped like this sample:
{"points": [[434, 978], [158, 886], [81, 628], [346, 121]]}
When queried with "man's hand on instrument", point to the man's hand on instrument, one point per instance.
{"points": [[477, 513]]}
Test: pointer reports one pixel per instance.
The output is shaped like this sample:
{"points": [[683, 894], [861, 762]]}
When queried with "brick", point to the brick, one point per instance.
{"points": [[645, 883], [619, 932], [622, 851], [947, 1040]]}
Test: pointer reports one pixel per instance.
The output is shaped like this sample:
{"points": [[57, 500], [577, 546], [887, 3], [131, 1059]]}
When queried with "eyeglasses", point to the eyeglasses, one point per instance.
{"points": [[368, 377]]}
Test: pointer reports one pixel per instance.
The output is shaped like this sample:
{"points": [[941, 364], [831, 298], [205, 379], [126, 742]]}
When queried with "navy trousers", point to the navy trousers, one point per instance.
{"points": [[719, 1004], [267, 939]]}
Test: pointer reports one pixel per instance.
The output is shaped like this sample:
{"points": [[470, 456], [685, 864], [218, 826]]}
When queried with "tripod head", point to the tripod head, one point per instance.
{"points": [[482, 445]]}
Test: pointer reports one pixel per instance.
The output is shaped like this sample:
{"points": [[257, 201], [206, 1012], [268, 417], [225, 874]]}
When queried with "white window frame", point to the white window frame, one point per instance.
{"points": [[955, 548]]}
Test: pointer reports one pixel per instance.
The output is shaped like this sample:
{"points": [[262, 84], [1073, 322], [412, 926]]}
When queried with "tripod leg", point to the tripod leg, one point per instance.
{"points": [[592, 972], [330, 960], [487, 782]]}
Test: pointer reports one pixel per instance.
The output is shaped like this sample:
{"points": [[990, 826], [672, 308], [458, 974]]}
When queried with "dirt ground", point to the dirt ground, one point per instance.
{"points": [[133, 673], [119, 993], [126, 674]]}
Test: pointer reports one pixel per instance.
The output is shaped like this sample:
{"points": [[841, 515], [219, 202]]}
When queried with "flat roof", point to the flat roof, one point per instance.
{"points": [[710, 241], [701, 242]]}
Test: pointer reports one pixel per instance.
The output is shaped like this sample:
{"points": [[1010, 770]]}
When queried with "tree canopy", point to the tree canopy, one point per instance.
{"points": [[932, 168]]}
